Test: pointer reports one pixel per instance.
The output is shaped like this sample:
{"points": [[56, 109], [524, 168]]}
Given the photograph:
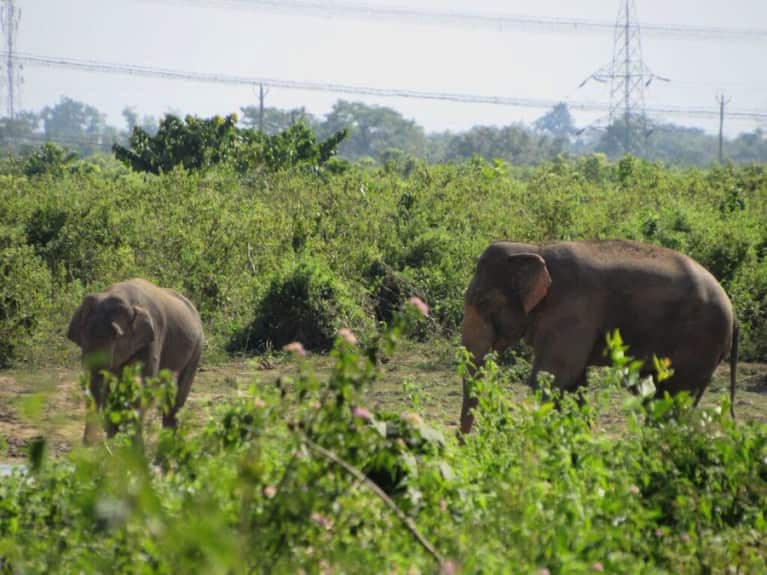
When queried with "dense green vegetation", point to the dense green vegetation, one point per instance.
{"points": [[276, 240], [380, 134], [228, 237], [302, 476]]}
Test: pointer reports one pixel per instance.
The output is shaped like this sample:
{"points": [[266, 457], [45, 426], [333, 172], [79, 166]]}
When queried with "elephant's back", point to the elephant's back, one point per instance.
{"points": [[170, 308], [635, 264], [645, 287]]}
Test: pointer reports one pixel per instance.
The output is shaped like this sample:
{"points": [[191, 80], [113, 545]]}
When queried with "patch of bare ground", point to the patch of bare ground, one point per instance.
{"points": [[50, 403]]}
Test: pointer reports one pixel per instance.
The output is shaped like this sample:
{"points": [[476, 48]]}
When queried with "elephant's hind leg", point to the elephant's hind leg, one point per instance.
{"points": [[183, 387], [693, 381]]}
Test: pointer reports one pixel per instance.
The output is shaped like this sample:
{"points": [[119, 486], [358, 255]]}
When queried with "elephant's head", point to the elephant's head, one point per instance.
{"points": [[109, 332], [509, 282]]}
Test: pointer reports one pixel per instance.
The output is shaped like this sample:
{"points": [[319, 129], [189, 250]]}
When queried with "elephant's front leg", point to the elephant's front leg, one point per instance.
{"points": [[565, 355], [150, 362], [98, 392]]}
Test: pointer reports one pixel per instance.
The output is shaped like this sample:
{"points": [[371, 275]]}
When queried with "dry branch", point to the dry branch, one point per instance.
{"points": [[360, 476]]}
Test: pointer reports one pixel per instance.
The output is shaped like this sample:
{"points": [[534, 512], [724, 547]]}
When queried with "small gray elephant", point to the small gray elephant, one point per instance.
{"points": [[563, 297], [137, 321]]}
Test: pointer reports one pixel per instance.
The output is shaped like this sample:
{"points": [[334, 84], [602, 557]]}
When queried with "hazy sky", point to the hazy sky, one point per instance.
{"points": [[293, 45]]}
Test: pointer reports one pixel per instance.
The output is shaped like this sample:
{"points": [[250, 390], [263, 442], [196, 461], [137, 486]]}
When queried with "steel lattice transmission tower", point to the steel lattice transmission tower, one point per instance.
{"points": [[10, 15], [627, 75]]}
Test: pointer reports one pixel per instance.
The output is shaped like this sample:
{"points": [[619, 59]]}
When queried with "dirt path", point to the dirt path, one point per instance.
{"points": [[49, 402]]}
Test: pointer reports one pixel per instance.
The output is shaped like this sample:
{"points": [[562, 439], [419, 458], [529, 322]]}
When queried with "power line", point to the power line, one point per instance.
{"points": [[499, 22], [36, 138], [217, 78]]}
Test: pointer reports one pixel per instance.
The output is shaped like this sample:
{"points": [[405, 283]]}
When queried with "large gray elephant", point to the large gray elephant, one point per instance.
{"points": [[137, 321], [563, 297]]}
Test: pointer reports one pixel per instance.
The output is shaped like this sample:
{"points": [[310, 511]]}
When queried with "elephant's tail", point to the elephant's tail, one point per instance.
{"points": [[734, 364]]}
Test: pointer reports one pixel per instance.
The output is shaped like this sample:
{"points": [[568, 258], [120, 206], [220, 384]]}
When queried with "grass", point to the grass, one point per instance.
{"points": [[419, 377]]}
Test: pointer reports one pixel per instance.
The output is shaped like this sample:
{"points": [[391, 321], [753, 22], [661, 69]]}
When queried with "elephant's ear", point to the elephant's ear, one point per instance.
{"points": [[76, 324], [142, 328], [531, 279]]}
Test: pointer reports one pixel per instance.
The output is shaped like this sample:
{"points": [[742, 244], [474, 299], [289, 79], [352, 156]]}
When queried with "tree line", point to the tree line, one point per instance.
{"points": [[382, 135]]}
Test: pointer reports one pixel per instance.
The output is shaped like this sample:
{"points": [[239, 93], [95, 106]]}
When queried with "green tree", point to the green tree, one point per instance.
{"points": [[680, 145], [372, 130], [49, 158], [20, 133], [276, 120], [78, 125], [196, 143], [748, 147], [298, 145], [515, 144], [557, 122], [132, 119], [193, 143]]}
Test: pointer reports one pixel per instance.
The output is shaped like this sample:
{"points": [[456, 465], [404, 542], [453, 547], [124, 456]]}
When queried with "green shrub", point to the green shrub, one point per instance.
{"points": [[221, 235], [200, 144], [749, 295], [50, 159], [24, 293], [279, 481], [309, 304], [388, 289]]}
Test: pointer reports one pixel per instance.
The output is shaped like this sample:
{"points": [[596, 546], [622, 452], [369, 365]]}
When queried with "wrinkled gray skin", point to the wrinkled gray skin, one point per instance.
{"points": [[563, 297], [137, 321]]}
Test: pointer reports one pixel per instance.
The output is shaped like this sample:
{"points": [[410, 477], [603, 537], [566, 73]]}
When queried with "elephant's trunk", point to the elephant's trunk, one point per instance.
{"points": [[98, 393], [478, 337]]}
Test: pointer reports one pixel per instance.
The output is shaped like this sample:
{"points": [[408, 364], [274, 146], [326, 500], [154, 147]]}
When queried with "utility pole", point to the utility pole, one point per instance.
{"points": [[261, 96], [722, 103]]}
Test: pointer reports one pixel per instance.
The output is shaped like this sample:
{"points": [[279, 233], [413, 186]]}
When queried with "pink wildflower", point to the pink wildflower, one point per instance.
{"points": [[412, 418], [449, 567], [324, 522], [598, 567], [659, 532], [685, 538], [295, 347], [362, 413], [270, 491], [544, 571], [419, 305], [348, 335], [260, 403]]}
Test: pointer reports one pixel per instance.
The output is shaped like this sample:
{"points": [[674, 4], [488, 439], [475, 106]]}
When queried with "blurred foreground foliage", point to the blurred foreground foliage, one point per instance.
{"points": [[303, 477]]}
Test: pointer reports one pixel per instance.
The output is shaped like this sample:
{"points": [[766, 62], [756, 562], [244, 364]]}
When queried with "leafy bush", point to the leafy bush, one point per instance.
{"points": [[299, 146], [50, 159], [221, 236], [199, 144], [24, 291], [192, 143], [389, 291], [303, 476], [308, 305]]}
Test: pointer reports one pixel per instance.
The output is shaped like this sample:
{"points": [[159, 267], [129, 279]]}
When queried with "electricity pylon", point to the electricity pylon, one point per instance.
{"points": [[627, 75], [10, 15]]}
